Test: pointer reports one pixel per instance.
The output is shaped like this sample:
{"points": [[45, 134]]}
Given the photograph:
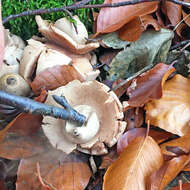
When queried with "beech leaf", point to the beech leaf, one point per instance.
{"points": [[159, 179], [111, 19], [172, 111], [141, 157], [151, 48], [149, 85], [57, 170], [182, 143], [54, 77]]}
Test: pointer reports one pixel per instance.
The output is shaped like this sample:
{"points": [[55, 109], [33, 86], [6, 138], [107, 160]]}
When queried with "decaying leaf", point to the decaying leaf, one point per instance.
{"points": [[14, 146], [141, 157], [112, 40], [54, 77], [172, 111], [131, 31], [57, 171], [152, 47], [159, 179], [185, 186], [183, 143], [148, 85], [111, 19]]}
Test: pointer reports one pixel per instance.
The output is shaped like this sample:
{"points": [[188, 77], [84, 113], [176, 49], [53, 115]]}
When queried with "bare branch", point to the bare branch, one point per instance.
{"points": [[28, 105]]}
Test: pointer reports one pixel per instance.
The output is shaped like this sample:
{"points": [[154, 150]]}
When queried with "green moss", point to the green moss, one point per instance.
{"points": [[26, 26]]}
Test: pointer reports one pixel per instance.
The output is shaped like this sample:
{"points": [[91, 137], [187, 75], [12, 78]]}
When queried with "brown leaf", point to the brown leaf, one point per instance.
{"points": [[148, 20], [148, 85], [173, 11], [26, 124], [172, 111], [183, 143], [135, 163], [131, 31], [159, 179], [54, 77], [185, 186], [17, 147], [128, 137], [111, 19], [56, 169]]}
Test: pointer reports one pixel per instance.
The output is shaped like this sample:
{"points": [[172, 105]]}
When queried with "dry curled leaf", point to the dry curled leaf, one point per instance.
{"points": [[54, 77], [169, 170], [148, 85], [56, 170], [185, 186], [183, 143], [111, 19], [172, 111], [133, 29], [141, 157]]}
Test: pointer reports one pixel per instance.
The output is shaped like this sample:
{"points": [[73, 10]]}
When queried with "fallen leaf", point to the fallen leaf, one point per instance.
{"points": [[131, 31], [26, 124], [159, 179], [112, 40], [57, 170], [16, 147], [151, 48], [54, 77], [173, 12], [172, 111], [148, 86], [128, 137], [185, 186], [3, 175], [141, 157], [111, 19], [183, 143]]}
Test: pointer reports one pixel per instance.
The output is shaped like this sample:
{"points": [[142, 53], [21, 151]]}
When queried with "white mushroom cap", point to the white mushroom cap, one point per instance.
{"points": [[66, 26], [82, 63], [105, 104], [29, 59], [14, 47], [54, 34], [49, 58]]}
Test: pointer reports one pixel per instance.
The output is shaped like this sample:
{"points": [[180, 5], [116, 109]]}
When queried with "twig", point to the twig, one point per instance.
{"points": [[133, 76], [28, 105], [178, 45]]}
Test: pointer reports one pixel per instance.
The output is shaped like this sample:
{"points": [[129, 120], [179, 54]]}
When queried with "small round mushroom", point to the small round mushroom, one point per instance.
{"points": [[14, 84], [104, 114], [64, 34]]}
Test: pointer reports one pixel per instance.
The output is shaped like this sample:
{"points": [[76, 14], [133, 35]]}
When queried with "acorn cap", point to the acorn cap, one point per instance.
{"points": [[94, 99]]}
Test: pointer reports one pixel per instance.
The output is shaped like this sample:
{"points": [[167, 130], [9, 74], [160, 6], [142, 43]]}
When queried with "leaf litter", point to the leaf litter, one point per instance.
{"points": [[132, 39]]}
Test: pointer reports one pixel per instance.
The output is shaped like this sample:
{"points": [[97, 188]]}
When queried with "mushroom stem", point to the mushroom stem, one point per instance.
{"points": [[28, 105]]}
